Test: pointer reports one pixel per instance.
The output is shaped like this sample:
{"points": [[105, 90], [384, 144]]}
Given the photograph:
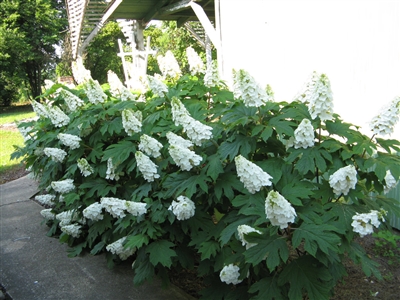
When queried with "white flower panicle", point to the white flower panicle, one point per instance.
{"points": [[304, 135], [93, 212], [117, 89], [150, 146], [94, 91], [114, 206], [184, 158], [69, 216], [63, 186], [47, 199], [183, 208], [56, 154], [245, 229], [196, 131], [230, 274], [72, 101], [364, 223], [40, 110], [117, 207], [48, 214], [318, 95], [390, 181], [169, 66], [385, 122], [177, 140], [69, 140], [136, 208], [84, 167], [146, 166], [110, 173], [343, 180], [252, 176], [246, 88], [117, 248], [130, 122], [278, 210], [26, 133], [196, 64], [73, 230], [211, 78], [58, 117], [79, 71], [158, 87]]}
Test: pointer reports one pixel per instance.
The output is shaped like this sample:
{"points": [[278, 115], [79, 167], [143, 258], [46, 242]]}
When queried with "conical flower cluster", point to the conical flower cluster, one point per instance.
{"points": [[57, 116], [169, 66], [69, 140], [318, 96], [246, 88], [183, 208], [343, 180], [183, 157], [81, 74], [196, 131], [304, 135], [211, 78], [384, 123], [146, 166], [72, 101], [196, 64], [117, 207], [118, 248], [150, 146], [57, 155], [364, 223], [252, 176], [131, 121], [110, 173], [40, 110], [230, 274], [158, 87], [93, 212], [84, 167], [390, 181], [278, 210], [117, 89], [63, 186], [47, 199], [73, 230], [94, 91], [245, 229]]}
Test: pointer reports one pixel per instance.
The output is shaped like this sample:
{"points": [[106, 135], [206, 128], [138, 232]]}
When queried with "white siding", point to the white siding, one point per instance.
{"points": [[356, 43]]}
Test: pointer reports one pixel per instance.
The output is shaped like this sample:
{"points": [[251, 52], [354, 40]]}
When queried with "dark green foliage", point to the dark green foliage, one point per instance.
{"points": [[303, 260]]}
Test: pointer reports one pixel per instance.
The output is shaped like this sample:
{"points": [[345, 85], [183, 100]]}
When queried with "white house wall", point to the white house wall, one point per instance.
{"points": [[356, 43]]}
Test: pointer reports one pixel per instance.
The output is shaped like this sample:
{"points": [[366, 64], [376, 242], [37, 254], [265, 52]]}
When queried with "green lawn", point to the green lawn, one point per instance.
{"points": [[15, 113], [8, 138]]}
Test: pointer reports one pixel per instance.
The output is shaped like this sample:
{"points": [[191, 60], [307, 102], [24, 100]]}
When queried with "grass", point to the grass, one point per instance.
{"points": [[11, 114], [11, 137], [8, 139]]}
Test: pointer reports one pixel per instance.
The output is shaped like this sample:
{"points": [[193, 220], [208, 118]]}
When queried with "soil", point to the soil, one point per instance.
{"points": [[355, 286]]}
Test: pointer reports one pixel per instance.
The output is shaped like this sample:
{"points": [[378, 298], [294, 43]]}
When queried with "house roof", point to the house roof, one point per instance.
{"points": [[86, 17]]}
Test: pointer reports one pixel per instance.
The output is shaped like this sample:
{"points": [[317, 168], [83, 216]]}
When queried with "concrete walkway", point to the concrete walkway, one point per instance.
{"points": [[36, 267]]}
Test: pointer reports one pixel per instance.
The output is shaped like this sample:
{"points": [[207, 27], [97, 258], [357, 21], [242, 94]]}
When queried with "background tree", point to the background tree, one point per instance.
{"points": [[101, 54], [29, 30]]}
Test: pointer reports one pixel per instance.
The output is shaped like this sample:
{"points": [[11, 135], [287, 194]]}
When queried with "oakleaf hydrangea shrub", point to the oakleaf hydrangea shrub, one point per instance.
{"points": [[263, 199]]}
